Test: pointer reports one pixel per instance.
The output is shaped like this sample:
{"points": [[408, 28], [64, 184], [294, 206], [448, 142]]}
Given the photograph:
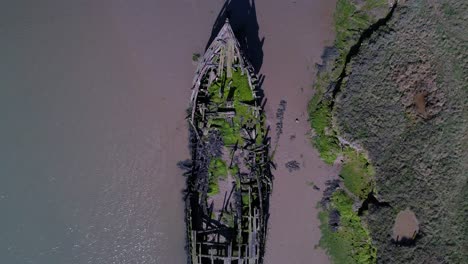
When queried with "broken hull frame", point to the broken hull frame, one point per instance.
{"points": [[210, 240]]}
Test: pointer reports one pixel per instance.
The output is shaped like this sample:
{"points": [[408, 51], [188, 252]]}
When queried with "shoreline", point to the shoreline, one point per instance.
{"points": [[291, 51]]}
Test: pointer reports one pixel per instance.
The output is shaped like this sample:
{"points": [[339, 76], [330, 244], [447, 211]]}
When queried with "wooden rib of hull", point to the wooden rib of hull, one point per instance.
{"points": [[210, 237]]}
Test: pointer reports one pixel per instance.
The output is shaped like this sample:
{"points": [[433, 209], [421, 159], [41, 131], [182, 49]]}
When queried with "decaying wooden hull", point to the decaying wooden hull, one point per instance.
{"points": [[229, 182]]}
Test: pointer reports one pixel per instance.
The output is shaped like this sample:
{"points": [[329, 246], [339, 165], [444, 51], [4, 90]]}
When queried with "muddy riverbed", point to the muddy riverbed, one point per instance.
{"points": [[93, 106], [295, 35]]}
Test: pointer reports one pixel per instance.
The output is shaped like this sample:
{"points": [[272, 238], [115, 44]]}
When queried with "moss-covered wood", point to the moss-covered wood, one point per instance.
{"points": [[229, 184]]}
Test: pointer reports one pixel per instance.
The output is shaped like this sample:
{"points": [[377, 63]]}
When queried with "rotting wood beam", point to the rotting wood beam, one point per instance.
{"points": [[230, 55]]}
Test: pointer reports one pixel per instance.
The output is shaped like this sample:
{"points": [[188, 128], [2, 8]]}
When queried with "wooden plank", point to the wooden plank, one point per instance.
{"points": [[221, 62], [230, 56], [194, 248]]}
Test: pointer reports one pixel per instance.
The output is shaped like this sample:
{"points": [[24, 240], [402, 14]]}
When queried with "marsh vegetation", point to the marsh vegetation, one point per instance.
{"points": [[391, 102]]}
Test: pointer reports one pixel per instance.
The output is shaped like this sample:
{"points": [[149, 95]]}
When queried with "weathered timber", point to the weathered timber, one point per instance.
{"points": [[229, 182]]}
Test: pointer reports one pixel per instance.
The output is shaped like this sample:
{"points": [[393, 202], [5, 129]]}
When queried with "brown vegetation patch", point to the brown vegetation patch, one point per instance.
{"points": [[420, 102], [420, 95]]}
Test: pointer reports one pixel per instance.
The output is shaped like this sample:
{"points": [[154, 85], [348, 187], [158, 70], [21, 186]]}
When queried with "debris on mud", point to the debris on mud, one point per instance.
{"points": [[292, 165]]}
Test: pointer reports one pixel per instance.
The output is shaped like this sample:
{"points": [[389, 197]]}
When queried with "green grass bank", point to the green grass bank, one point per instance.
{"points": [[351, 242]]}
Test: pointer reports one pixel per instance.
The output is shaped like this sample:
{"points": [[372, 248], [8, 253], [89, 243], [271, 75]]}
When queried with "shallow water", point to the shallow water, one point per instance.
{"points": [[92, 103]]}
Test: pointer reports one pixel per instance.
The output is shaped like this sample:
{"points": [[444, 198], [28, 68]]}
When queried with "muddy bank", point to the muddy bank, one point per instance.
{"points": [[295, 36]]}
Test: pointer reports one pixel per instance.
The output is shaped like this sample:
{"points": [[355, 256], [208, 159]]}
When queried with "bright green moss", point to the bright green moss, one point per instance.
{"points": [[351, 242], [321, 118], [243, 113], [241, 95], [230, 134], [328, 147], [214, 90], [216, 170], [357, 173], [350, 22], [245, 199], [241, 84], [213, 188], [234, 170]]}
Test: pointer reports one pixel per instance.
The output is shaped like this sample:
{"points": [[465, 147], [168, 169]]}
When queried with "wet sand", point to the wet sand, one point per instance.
{"points": [[295, 34]]}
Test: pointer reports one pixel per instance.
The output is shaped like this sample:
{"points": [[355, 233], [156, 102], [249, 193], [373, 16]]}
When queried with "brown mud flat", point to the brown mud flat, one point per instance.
{"points": [[406, 226], [296, 33]]}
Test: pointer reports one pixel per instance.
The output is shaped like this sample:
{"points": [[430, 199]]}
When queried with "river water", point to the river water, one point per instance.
{"points": [[92, 103]]}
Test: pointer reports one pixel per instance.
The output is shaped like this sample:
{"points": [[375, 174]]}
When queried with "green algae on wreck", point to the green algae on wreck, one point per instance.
{"points": [[229, 183]]}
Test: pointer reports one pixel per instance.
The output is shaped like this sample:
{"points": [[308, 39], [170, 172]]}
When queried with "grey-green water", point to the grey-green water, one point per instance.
{"points": [[92, 103]]}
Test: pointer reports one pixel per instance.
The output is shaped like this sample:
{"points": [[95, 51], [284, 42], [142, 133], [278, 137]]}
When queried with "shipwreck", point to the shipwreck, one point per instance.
{"points": [[228, 177]]}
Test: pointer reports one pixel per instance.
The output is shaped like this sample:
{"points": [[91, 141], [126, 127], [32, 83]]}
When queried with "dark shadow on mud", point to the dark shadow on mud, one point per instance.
{"points": [[243, 19], [407, 242]]}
